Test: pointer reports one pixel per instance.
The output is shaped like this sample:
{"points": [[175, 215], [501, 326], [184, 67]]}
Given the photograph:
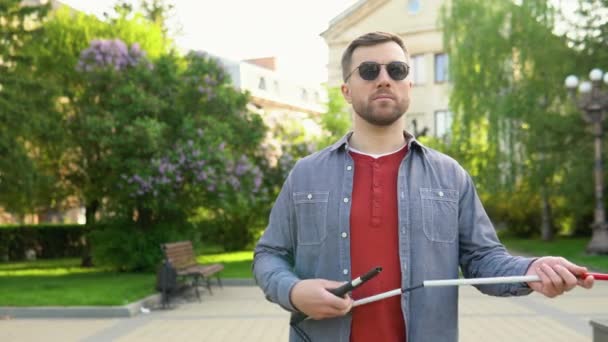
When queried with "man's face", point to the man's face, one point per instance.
{"points": [[382, 101]]}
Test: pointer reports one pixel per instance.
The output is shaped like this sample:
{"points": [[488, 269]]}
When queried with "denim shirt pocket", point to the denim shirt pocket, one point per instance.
{"points": [[311, 215], [439, 214]]}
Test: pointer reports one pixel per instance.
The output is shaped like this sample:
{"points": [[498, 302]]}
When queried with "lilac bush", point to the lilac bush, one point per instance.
{"points": [[195, 175], [170, 142], [110, 53]]}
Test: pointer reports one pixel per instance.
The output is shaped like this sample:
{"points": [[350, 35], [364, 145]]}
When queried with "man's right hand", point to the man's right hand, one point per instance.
{"points": [[311, 297]]}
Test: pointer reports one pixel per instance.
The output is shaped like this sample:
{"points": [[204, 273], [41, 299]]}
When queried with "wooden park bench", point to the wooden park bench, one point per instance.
{"points": [[180, 256]]}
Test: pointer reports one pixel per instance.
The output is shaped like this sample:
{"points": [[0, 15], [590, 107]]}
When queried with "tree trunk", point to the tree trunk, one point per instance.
{"points": [[546, 228], [90, 211]]}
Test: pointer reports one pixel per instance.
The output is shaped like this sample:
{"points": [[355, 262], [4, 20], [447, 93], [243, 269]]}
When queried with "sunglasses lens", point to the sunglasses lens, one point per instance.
{"points": [[397, 70], [369, 70]]}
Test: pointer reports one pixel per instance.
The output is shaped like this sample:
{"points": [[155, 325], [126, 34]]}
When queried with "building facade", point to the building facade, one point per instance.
{"points": [[417, 22], [275, 96]]}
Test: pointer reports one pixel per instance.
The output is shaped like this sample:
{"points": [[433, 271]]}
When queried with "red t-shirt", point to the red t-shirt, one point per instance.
{"points": [[375, 242]]}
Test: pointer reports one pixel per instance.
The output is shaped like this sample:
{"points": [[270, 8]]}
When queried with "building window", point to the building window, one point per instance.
{"points": [[418, 74], [441, 67], [262, 83], [443, 123], [413, 6]]}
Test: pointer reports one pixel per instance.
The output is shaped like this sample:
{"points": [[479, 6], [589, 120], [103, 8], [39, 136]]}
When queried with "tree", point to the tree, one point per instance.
{"points": [[511, 126], [27, 113], [336, 121], [67, 34], [166, 137], [587, 33]]}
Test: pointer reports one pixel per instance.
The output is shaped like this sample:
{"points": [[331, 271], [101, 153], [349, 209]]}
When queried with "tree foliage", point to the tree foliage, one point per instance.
{"points": [[336, 121], [514, 127], [143, 136], [28, 119]]}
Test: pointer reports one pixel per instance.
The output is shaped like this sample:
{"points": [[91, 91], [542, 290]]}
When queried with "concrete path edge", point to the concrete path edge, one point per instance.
{"points": [[128, 310]]}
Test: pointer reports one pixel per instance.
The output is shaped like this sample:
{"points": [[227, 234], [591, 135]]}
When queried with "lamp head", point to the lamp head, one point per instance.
{"points": [[571, 82], [585, 87], [596, 75]]}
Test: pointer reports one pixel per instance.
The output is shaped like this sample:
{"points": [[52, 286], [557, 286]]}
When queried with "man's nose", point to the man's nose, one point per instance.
{"points": [[384, 80]]}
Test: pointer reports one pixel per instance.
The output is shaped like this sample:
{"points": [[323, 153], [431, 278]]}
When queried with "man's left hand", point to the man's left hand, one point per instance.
{"points": [[557, 275]]}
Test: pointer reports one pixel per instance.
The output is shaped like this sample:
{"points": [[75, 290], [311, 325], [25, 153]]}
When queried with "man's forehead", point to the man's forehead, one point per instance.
{"points": [[381, 53]]}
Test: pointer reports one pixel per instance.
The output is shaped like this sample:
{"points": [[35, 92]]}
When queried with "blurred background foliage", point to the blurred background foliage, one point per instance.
{"points": [[157, 145]]}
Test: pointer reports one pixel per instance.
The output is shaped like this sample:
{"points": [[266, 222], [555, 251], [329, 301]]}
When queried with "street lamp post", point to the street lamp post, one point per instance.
{"points": [[593, 103]]}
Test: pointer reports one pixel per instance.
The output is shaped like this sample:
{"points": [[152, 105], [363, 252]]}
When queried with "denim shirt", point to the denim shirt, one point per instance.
{"points": [[442, 225]]}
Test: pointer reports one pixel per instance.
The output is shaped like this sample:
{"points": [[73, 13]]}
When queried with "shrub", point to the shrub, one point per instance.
{"points": [[49, 241]]}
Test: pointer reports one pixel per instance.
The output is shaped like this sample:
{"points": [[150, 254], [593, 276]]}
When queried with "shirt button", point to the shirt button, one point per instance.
{"points": [[345, 271], [440, 194], [349, 167], [309, 196], [344, 235], [345, 199]]}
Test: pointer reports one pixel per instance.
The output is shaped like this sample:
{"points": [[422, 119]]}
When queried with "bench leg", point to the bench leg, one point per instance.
{"points": [[164, 302], [219, 281], [208, 281], [196, 285]]}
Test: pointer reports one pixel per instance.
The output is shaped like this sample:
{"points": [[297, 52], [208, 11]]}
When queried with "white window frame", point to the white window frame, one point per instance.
{"points": [[413, 6], [442, 71], [443, 123], [418, 69]]}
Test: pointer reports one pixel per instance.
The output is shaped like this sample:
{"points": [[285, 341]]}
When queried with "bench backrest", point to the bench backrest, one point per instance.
{"points": [[180, 254]]}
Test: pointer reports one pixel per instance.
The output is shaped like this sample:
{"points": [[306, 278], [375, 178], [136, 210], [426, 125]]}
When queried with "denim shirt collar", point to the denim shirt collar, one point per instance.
{"points": [[343, 142]]}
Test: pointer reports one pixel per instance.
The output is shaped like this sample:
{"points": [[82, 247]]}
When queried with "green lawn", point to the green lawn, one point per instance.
{"points": [[236, 264], [64, 282], [572, 249]]}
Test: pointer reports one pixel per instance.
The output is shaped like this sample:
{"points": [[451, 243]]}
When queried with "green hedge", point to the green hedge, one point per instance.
{"points": [[49, 241]]}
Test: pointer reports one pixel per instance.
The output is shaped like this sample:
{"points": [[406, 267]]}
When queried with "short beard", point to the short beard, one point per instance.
{"points": [[367, 114]]}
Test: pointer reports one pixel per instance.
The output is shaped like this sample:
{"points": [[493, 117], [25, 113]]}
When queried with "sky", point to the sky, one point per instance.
{"points": [[242, 29]]}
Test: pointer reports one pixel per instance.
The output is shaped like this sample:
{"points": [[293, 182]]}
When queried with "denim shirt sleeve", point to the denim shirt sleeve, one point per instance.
{"points": [[273, 255], [481, 253]]}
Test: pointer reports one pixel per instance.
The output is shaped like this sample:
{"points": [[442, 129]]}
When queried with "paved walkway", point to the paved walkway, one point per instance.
{"points": [[240, 313]]}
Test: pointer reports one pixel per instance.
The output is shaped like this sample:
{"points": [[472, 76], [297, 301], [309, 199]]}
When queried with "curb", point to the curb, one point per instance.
{"points": [[115, 311], [128, 310]]}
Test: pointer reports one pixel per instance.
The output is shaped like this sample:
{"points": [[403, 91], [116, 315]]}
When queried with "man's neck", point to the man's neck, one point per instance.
{"points": [[377, 140]]}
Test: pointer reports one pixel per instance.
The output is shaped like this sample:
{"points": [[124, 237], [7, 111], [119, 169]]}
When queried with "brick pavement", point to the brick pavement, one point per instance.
{"points": [[240, 313]]}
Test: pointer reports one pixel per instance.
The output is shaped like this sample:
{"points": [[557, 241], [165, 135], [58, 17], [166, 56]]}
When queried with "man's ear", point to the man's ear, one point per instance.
{"points": [[346, 93]]}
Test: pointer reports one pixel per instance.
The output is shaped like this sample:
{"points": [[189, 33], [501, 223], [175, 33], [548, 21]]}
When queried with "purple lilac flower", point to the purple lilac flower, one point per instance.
{"points": [[234, 182], [257, 182], [201, 176], [105, 53]]}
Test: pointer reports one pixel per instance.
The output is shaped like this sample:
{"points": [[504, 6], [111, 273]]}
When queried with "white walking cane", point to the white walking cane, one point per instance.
{"points": [[469, 281]]}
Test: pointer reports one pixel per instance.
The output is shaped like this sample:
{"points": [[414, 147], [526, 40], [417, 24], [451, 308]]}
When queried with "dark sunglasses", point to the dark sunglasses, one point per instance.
{"points": [[369, 71]]}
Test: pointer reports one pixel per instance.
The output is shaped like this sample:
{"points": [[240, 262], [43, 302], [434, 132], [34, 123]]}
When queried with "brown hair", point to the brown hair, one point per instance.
{"points": [[368, 39]]}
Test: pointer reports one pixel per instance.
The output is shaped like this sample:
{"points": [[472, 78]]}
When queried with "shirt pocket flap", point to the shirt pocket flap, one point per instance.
{"points": [[311, 197], [439, 194]]}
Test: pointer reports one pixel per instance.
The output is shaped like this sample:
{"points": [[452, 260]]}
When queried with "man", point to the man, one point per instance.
{"points": [[378, 197]]}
